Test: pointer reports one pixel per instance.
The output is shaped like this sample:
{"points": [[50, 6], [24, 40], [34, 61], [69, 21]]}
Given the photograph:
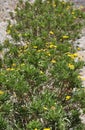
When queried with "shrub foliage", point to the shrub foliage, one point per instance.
{"points": [[39, 76]]}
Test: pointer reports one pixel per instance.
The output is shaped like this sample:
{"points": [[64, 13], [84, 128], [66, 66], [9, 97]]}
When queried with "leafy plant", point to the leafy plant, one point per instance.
{"points": [[40, 70]]}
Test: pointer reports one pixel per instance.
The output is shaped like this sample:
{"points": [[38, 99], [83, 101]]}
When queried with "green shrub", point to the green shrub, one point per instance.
{"points": [[38, 78]]}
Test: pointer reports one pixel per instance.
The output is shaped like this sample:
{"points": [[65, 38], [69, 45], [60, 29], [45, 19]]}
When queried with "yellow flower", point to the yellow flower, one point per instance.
{"points": [[8, 69], [54, 5], [46, 129], [1, 92], [39, 50], [68, 97], [8, 31], [13, 64], [78, 48], [75, 55], [22, 64], [45, 108], [73, 13], [35, 47], [51, 32], [35, 129], [65, 37], [55, 46], [52, 46], [71, 66], [10, 26], [12, 69], [41, 72], [71, 56], [68, 7], [48, 54], [53, 61]]}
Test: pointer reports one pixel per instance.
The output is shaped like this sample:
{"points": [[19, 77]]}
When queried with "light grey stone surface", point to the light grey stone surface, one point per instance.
{"points": [[3, 26], [6, 6]]}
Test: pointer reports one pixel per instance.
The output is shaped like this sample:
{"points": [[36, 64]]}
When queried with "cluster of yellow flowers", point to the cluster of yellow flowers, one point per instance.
{"points": [[71, 66], [15, 67], [47, 49], [10, 69], [43, 129], [23, 50], [75, 55], [72, 56], [68, 7], [73, 13], [50, 45]]}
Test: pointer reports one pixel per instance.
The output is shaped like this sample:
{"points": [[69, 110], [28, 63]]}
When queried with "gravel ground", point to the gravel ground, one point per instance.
{"points": [[81, 44], [6, 6], [79, 2]]}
